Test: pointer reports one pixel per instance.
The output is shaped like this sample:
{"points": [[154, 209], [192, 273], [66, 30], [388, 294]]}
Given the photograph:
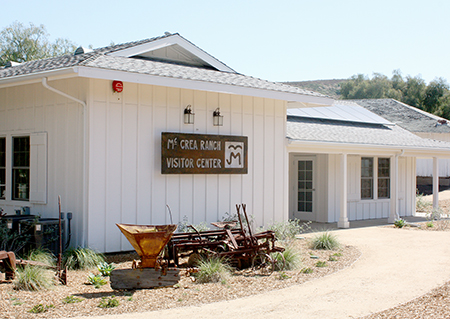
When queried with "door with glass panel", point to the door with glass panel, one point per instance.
{"points": [[305, 188]]}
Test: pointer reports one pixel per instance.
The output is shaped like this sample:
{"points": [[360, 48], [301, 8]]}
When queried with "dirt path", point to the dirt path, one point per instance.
{"points": [[395, 267]]}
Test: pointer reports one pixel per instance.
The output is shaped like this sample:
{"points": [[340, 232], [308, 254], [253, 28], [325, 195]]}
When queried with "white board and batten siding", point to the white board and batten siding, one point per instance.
{"points": [[125, 180], [55, 127], [360, 209], [425, 165]]}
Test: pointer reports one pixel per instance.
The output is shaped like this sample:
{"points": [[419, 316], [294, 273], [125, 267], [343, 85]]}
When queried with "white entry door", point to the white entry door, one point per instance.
{"points": [[304, 194]]}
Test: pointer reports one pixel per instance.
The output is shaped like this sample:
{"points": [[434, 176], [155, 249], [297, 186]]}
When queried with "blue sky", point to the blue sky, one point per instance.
{"points": [[274, 40]]}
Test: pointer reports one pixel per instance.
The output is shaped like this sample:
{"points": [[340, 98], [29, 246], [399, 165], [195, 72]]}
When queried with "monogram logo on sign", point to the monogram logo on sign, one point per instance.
{"points": [[234, 154]]}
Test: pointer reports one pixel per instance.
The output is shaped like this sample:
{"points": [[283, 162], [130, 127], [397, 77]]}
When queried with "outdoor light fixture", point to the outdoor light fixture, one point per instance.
{"points": [[188, 115], [217, 118]]}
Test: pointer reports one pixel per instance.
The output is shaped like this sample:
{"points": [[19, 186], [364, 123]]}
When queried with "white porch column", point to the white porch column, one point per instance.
{"points": [[343, 218], [393, 214], [435, 183]]}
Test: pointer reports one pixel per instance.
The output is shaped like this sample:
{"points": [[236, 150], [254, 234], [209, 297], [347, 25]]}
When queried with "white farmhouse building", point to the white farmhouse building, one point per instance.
{"points": [[122, 132], [419, 122]]}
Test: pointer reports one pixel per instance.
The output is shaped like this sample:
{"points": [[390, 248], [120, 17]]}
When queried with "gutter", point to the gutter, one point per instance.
{"points": [[31, 78], [85, 127], [430, 151]]}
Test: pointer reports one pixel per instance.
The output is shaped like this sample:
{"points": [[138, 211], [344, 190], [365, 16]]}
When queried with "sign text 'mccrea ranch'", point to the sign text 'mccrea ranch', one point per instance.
{"points": [[203, 154]]}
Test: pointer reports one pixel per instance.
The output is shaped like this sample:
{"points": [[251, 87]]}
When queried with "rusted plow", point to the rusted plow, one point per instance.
{"points": [[151, 271], [239, 245]]}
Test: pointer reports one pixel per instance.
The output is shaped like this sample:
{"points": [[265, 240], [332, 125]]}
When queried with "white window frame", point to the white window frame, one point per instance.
{"points": [[38, 169], [375, 178]]}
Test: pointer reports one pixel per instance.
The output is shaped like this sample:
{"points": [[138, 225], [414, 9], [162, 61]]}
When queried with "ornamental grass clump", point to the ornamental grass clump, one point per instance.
{"points": [[213, 269], [81, 259], [325, 241], [33, 278], [42, 255], [292, 257]]}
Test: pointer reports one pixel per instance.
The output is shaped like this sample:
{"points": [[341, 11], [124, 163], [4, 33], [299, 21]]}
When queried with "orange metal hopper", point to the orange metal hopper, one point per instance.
{"points": [[148, 240]]}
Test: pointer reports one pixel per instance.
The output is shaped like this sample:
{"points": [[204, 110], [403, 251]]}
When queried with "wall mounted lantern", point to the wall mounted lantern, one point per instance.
{"points": [[217, 118], [188, 115]]}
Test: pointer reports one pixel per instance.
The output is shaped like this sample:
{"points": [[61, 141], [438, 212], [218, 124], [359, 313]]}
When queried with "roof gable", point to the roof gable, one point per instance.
{"points": [[170, 48]]}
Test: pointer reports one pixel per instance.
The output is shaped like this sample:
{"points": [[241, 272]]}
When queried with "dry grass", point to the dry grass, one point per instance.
{"points": [[16, 304]]}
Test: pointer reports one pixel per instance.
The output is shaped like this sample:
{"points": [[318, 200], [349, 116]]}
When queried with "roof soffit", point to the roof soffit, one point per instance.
{"points": [[173, 48]]}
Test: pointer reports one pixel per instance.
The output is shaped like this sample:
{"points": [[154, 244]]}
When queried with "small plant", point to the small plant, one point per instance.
{"points": [[105, 268], [213, 269], [321, 264], [40, 308], [325, 241], [109, 302], [421, 204], [71, 299], [96, 280], [399, 223], [307, 270], [337, 255], [283, 276], [332, 258], [430, 224], [33, 278], [81, 258]]}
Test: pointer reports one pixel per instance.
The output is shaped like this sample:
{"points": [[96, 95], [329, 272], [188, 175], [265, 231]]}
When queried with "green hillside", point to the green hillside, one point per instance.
{"points": [[327, 87]]}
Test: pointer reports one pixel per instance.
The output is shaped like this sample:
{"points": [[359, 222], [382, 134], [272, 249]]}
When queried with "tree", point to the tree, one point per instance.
{"points": [[433, 98], [19, 43], [433, 94]]}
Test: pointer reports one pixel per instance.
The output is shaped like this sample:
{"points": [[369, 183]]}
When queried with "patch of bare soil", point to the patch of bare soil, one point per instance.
{"points": [[17, 304]]}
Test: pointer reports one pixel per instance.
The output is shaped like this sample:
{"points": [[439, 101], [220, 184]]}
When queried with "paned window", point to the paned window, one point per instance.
{"points": [[366, 178], [384, 178], [2, 167], [21, 168]]}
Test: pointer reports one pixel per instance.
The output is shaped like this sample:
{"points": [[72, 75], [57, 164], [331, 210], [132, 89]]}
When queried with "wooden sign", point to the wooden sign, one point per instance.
{"points": [[203, 154]]}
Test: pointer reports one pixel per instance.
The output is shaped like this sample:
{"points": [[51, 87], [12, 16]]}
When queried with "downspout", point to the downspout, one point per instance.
{"points": [[85, 116], [397, 204]]}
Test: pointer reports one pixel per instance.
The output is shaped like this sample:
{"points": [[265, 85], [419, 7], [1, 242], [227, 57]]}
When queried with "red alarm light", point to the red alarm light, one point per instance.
{"points": [[117, 86]]}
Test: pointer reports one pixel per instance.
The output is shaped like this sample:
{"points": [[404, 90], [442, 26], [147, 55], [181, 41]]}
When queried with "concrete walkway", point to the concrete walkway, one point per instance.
{"points": [[395, 267]]}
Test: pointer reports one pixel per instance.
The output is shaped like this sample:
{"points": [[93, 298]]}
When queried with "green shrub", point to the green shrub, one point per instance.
{"points": [[42, 255], [33, 278], [105, 268], [399, 223], [288, 229], [109, 302], [325, 241], [185, 227], [96, 280], [321, 264], [430, 224], [81, 258], [71, 299], [213, 269]]}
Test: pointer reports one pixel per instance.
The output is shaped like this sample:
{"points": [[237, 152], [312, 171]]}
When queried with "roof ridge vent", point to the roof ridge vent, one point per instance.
{"points": [[81, 50], [11, 64]]}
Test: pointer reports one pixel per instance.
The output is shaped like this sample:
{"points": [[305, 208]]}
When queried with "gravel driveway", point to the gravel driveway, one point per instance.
{"points": [[396, 266]]}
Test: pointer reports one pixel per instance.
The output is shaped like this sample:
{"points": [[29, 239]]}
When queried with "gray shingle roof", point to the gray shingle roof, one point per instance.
{"points": [[322, 130], [406, 116], [99, 59]]}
